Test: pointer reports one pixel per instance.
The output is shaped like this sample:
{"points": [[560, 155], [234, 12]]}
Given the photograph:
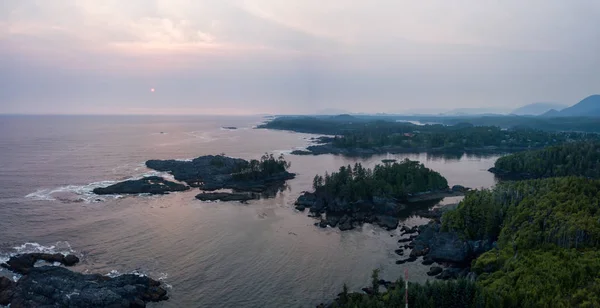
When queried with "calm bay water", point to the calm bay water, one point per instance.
{"points": [[264, 254]]}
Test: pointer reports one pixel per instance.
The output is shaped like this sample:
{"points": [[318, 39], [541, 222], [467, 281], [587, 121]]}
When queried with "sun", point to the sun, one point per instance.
{"points": [[151, 89]]}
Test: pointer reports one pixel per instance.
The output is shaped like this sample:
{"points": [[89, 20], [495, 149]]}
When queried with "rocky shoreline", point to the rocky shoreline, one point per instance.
{"points": [[384, 212], [247, 179], [511, 176], [57, 286], [329, 148]]}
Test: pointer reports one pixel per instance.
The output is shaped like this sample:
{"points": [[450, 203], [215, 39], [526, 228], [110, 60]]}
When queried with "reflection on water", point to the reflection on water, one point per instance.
{"points": [[213, 254]]}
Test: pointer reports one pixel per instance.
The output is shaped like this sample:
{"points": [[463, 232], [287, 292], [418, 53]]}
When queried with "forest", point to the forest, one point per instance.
{"points": [[368, 133], [548, 235], [389, 180], [267, 166], [577, 159]]}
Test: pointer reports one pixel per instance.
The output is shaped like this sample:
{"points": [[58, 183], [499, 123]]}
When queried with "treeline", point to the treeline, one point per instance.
{"points": [[578, 159], [368, 133], [267, 166], [452, 294], [390, 180], [548, 234], [576, 124]]}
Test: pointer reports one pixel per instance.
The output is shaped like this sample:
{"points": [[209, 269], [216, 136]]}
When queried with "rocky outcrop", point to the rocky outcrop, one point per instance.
{"points": [[22, 264], [149, 185], [512, 176], [241, 197], [215, 172], [442, 246], [55, 286], [348, 215], [434, 271]]}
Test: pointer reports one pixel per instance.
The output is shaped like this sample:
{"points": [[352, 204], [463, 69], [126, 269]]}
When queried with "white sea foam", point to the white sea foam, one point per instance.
{"points": [[116, 273], [84, 193], [61, 247]]}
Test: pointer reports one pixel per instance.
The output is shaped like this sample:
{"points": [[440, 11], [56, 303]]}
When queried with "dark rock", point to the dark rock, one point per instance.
{"points": [[409, 259], [453, 273], [229, 127], [333, 220], [22, 264], [6, 290], [241, 197], [323, 223], [404, 240], [70, 260], [345, 223], [368, 291], [54, 286], [306, 200], [434, 270], [405, 230], [387, 222], [459, 188], [447, 246], [399, 252], [148, 185], [301, 152], [213, 172], [427, 261], [58, 287], [384, 283]]}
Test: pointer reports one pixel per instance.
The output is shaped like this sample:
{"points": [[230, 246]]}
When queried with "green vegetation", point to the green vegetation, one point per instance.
{"points": [[390, 180], [574, 159], [550, 124], [548, 235], [267, 166], [459, 293], [387, 135]]}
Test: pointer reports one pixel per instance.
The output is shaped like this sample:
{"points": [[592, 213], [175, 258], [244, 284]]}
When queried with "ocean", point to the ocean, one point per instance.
{"points": [[209, 254]]}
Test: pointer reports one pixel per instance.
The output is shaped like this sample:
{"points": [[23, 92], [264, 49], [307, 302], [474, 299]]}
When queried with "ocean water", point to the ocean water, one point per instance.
{"points": [[210, 254]]}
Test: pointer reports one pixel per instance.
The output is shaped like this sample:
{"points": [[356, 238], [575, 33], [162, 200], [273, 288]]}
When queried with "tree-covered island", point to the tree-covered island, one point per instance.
{"points": [[355, 195]]}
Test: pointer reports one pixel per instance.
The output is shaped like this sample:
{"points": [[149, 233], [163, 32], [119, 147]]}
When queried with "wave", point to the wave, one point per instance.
{"points": [[138, 272], [84, 193], [62, 247]]}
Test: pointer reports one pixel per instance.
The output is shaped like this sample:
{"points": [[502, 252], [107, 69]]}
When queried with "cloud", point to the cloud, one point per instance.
{"points": [[295, 56]]}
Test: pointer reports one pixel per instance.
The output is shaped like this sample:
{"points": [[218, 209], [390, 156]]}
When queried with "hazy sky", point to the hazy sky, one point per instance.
{"points": [[294, 56]]}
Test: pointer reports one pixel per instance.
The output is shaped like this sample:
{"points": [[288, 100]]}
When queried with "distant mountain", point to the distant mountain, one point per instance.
{"points": [[474, 111], [550, 113], [537, 108], [588, 107]]}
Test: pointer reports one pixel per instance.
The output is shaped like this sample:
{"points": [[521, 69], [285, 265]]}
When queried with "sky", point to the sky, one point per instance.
{"points": [[294, 56]]}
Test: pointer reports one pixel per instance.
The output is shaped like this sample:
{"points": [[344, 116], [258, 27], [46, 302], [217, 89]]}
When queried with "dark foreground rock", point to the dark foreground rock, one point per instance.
{"points": [[54, 286], [149, 185], [434, 270], [22, 264], [241, 197], [442, 246]]}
